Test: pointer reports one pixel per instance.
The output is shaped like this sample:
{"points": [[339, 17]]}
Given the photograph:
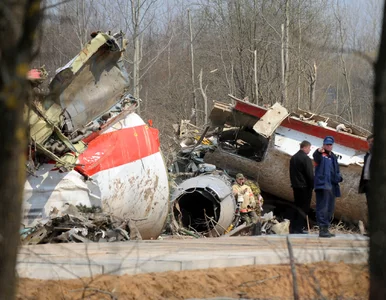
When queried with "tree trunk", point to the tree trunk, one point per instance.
{"points": [[345, 72], [192, 70], [377, 201], [135, 13], [348, 85], [16, 55], [313, 78], [255, 77], [205, 98], [299, 57], [169, 69], [136, 62], [286, 52], [337, 97], [283, 87]]}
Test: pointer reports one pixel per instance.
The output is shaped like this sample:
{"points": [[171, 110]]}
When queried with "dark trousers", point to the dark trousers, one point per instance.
{"points": [[325, 206], [366, 189], [367, 193], [302, 198]]}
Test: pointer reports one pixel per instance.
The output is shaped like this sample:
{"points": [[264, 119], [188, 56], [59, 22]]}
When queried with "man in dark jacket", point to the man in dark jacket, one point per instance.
{"points": [[326, 185], [302, 182], [364, 184]]}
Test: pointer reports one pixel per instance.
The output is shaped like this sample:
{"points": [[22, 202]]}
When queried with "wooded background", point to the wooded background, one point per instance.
{"points": [[306, 54]]}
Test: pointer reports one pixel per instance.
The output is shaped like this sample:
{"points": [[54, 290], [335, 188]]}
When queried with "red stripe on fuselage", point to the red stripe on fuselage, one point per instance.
{"points": [[341, 138], [119, 147]]}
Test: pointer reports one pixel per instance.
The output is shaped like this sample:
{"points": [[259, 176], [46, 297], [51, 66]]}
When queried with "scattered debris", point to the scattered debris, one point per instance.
{"points": [[361, 227], [281, 228], [258, 142], [342, 127], [80, 227], [267, 224], [202, 202]]}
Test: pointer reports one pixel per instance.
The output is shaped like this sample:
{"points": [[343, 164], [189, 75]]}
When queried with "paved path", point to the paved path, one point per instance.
{"points": [[59, 261]]}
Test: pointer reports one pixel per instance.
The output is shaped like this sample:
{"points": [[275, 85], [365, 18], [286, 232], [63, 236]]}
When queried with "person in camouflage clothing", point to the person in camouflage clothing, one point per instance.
{"points": [[257, 194], [244, 195]]}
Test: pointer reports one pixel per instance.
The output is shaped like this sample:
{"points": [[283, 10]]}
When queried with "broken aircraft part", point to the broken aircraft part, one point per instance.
{"points": [[90, 84], [204, 204], [89, 147], [73, 224], [267, 158]]}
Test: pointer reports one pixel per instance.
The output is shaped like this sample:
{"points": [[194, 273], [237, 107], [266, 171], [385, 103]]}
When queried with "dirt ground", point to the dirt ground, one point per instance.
{"points": [[315, 281]]}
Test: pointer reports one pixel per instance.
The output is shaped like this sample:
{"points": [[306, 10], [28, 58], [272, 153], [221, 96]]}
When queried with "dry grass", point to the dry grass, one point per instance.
{"points": [[339, 228]]}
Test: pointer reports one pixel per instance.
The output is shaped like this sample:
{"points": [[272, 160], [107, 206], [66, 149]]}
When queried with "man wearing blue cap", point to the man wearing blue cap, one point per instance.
{"points": [[326, 185]]}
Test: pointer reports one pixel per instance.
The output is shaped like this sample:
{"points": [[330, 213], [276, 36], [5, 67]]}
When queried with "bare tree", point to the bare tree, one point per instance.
{"points": [[79, 14], [195, 106], [256, 90], [137, 43], [345, 71], [19, 22], [311, 77], [377, 201], [299, 56], [137, 17], [285, 53], [204, 97]]}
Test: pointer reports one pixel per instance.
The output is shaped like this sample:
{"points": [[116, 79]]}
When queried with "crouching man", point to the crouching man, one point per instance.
{"points": [[244, 195]]}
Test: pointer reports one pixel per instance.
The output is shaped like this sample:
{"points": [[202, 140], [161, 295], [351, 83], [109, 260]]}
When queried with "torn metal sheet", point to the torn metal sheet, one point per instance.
{"points": [[92, 82], [350, 146], [88, 146], [220, 113], [36, 236], [271, 120]]}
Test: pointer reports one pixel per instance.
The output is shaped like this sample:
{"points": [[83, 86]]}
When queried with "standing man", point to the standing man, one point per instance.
{"points": [[326, 185], [302, 182], [364, 184], [244, 195]]}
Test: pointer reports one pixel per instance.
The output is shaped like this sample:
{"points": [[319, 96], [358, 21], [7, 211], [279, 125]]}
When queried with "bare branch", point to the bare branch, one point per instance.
{"points": [[293, 270], [154, 59], [113, 297], [269, 24], [56, 5]]}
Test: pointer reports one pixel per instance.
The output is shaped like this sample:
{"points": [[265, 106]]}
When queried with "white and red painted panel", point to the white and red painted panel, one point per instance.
{"points": [[345, 139], [128, 179], [288, 140]]}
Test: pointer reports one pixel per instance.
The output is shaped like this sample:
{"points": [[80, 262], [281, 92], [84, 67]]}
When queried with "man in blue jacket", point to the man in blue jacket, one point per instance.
{"points": [[326, 185]]}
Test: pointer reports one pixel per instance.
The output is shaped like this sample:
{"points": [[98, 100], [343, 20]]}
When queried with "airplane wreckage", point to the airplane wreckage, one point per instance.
{"points": [[89, 149], [259, 142]]}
